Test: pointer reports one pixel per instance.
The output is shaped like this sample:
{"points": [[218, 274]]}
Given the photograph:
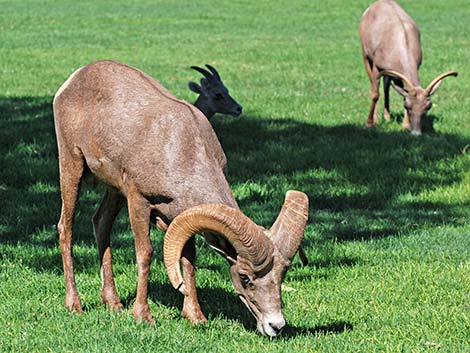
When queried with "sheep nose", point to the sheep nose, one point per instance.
{"points": [[277, 327]]}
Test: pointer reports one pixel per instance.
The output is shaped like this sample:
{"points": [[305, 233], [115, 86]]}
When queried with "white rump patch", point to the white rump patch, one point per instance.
{"points": [[366, 11], [66, 83]]}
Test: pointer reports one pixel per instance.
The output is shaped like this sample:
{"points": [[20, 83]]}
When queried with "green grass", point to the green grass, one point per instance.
{"points": [[388, 236]]}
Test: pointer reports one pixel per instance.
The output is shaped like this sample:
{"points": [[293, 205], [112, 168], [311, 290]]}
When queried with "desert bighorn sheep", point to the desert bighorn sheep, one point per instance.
{"points": [[213, 95], [391, 48], [161, 156]]}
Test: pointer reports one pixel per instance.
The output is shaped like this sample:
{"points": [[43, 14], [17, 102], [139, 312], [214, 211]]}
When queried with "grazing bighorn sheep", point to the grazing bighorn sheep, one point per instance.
{"points": [[391, 48], [162, 156], [213, 95]]}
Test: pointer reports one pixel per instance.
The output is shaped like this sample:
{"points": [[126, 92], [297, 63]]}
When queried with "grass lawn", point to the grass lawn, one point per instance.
{"points": [[389, 229]]}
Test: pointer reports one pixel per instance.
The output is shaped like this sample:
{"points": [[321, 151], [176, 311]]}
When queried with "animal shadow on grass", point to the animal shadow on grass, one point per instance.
{"points": [[352, 175], [29, 176], [336, 327], [217, 303], [347, 171]]}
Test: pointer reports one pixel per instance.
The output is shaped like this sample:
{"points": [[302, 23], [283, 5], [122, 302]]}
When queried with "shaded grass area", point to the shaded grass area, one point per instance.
{"points": [[361, 183]]}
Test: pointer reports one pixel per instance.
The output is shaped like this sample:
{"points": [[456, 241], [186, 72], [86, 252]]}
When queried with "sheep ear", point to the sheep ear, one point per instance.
{"points": [[435, 88], [193, 86], [401, 91]]}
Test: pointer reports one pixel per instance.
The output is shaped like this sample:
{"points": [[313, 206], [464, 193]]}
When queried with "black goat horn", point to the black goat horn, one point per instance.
{"points": [[214, 72], [206, 73]]}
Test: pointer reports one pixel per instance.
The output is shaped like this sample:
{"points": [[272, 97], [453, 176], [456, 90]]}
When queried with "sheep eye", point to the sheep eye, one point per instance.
{"points": [[247, 282], [219, 96]]}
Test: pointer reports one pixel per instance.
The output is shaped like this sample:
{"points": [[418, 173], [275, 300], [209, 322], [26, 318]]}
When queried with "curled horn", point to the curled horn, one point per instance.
{"points": [[434, 82], [214, 72], [206, 73], [248, 240], [406, 82], [288, 229]]}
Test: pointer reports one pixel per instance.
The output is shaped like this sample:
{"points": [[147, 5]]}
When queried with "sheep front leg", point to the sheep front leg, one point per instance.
{"points": [[406, 121], [191, 309], [139, 215], [387, 81]]}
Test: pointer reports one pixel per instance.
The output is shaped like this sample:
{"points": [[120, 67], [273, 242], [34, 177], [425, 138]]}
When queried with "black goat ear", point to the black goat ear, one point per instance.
{"points": [[193, 86]]}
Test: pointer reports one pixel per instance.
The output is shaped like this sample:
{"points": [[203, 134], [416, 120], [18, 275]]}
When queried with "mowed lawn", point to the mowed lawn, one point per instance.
{"points": [[389, 231]]}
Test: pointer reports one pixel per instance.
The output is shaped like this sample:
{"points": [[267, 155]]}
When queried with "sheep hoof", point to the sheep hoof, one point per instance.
{"points": [[117, 307], [142, 313], [195, 317], [110, 298], [73, 304], [369, 124]]}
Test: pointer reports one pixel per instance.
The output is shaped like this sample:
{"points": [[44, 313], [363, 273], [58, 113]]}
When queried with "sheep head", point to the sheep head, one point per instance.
{"points": [[259, 258], [417, 100]]}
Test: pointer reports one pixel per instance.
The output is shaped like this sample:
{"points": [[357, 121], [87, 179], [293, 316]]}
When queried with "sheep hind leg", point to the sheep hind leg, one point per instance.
{"points": [[191, 308], [102, 224], [71, 167]]}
